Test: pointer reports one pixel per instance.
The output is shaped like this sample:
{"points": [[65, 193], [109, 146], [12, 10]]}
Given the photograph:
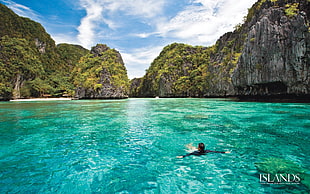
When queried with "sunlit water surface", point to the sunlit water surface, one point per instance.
{"points": [[130, 146]]}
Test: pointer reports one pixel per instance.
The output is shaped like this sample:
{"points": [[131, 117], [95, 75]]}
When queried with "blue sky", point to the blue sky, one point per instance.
{"points": [[139, 29]]}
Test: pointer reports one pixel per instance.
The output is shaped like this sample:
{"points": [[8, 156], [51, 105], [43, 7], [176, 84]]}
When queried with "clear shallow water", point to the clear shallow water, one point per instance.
{"points": [[130, 146]]}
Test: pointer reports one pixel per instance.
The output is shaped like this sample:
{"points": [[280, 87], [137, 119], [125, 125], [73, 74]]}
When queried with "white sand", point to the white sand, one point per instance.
{"points": [[40, 99]]}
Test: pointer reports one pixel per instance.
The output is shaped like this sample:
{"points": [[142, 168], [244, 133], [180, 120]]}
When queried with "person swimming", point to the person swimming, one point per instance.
{"points": [[201, 151]]}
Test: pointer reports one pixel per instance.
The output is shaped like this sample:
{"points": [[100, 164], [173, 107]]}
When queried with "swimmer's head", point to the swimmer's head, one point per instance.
{"points": [[201, 147]]}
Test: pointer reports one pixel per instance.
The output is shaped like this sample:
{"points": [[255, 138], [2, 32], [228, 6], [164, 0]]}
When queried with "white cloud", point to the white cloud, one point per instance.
{"points": [[144, 35], [99, 12], [148, 9], [205, 21], [201, 23], [22, 10], [138, 60], [88, 23], [65, 38]]}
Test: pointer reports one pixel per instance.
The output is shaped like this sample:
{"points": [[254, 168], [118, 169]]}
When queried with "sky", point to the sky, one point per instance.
{"points": [[138, 29]]}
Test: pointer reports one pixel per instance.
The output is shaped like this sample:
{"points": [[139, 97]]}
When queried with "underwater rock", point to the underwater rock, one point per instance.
{"points": [[278, 165], [196, 116]]}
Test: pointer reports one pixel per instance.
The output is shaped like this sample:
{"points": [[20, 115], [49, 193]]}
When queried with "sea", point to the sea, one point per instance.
{"points": [[131, 146]]}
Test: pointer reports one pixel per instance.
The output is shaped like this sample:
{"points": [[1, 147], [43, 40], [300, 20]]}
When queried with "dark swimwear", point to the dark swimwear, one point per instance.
{"points": [[199, 153]]}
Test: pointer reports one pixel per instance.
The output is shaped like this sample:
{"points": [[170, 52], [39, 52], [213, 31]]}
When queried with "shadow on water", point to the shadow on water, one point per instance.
{"points": [[275, 98]]}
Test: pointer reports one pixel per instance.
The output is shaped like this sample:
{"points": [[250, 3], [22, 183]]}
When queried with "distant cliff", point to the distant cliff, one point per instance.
{"points": [[33, 66], [267, 55], [174, 73], [101, 75]]}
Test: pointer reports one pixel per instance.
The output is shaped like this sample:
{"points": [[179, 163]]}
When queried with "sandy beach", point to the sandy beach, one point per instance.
{"points": [[40, 99]]}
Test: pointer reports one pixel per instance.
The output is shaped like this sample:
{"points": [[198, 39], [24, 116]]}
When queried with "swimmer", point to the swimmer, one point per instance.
{"points": [[201, 151]]}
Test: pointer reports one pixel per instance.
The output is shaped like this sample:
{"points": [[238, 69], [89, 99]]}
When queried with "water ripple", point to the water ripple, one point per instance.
{"points": [[130, 146]]}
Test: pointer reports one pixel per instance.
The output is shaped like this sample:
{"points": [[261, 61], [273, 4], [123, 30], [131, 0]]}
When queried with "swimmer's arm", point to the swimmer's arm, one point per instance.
{"points": [[190, 147], [185, 155]]}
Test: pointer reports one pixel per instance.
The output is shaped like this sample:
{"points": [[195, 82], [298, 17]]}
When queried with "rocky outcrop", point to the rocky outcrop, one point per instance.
{"points": [[106, 89], [41, 46], [134, 87], [174, 73], [102, 75], [268, 55], [17, 86], [275, 59], [33, 66], [99, 50]]}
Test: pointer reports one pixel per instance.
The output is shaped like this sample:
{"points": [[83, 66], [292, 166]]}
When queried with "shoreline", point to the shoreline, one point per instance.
{"points": [[270, 99], [41, 99]]}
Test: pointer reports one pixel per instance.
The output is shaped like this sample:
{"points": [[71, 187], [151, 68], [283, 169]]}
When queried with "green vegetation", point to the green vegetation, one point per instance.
{"points": [[20, 27], [32, 65], [182, 70], [29, 73], [18, 61], [90, 70], [259, 67], [257, 7], [186, 71], [291, 9], [181, 65]]}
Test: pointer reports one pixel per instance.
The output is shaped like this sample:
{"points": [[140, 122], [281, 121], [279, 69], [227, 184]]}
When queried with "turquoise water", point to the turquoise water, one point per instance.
{"points": [[130, 146]]}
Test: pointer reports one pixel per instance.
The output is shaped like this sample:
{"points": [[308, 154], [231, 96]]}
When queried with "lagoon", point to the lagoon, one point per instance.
{"points": [[130, 146]]}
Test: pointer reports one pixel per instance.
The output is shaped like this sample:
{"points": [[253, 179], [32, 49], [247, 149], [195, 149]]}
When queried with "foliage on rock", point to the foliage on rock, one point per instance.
{"points": [[101, 74]]}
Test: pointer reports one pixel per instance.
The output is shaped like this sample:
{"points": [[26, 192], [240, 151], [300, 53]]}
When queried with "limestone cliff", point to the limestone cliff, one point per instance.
{"points": [[266, 55], [179, 71], [33, 66], [275, 59], [24, 46], [134, 87], [101, 75]]}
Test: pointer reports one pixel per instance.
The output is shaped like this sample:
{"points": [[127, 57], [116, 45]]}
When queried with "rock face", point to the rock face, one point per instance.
{"points": [[106, 89], [275, 59], [134, 85], [101, 75], [268, 55], [176, 72]]}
